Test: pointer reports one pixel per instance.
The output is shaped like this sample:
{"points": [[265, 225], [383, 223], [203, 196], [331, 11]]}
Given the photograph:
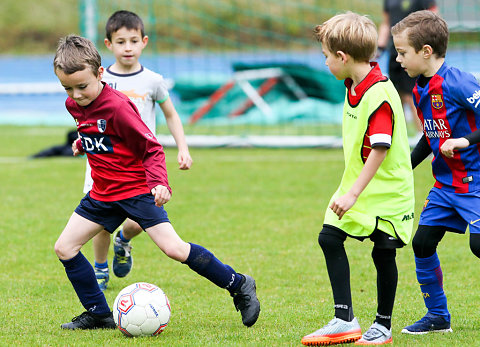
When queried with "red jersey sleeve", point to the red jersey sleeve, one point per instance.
{"points": [[380, 127], [379, 131]]}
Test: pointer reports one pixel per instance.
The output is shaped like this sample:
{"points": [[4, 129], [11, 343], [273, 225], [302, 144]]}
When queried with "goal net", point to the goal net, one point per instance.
{"points": [[249, 72]]}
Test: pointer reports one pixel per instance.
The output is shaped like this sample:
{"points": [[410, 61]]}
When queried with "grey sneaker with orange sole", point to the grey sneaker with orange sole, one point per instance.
{"points": [[336, 331]]}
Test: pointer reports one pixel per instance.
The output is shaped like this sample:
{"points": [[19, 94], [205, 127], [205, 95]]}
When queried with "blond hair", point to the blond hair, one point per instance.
{"points": [[350, 33], [76, 53], [424, 28]]}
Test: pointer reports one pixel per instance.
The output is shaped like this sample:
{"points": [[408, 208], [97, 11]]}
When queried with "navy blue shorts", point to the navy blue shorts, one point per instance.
{"points": [[110, 215], [453, 211]]}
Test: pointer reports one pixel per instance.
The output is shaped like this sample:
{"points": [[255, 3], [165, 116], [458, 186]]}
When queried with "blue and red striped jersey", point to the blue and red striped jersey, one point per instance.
{"points": [[448, 106]]}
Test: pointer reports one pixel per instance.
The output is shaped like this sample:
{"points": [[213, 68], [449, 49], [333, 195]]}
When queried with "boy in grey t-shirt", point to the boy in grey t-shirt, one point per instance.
{"points": [[125, 37]]}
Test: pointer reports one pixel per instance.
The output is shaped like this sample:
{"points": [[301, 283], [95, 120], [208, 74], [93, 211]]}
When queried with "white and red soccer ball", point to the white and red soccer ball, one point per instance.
{"points": [[141, 309]]}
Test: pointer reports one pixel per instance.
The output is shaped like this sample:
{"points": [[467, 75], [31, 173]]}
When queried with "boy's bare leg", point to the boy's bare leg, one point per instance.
{"points": [[101, 244], [76, 233], [166, 238], [131, 229]]}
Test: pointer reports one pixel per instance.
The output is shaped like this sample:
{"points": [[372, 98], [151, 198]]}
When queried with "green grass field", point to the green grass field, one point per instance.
{"points": [[259, 210]]}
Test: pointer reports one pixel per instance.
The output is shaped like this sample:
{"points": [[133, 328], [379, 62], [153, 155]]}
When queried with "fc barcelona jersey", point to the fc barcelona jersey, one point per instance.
{"points": [[449, 107]]}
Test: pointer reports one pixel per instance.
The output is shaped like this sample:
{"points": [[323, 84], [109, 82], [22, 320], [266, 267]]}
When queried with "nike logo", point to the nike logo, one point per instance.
{"points": [[474, 221]]}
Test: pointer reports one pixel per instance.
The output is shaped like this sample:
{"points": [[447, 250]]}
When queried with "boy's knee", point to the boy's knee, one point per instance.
{"points": [[61, 251], [177, 251], [329, 238], [324, 240], [383, 255], [426, 240], [417, 245]]}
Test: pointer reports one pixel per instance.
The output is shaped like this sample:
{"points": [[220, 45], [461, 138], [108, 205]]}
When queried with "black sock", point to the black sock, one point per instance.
{"points": [[331, 240], [387, 278], [344, 312]]}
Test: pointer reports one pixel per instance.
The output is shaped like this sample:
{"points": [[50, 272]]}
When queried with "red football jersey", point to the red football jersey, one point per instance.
{"points": [[125, 157]]}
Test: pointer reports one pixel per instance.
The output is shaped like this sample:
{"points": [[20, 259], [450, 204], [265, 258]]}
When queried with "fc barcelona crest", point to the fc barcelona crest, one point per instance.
{"points": [[437, 101], [102, 125]]}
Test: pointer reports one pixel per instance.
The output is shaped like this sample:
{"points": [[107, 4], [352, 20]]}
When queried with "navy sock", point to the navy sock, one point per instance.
{"points": [[81, 275], [101, 266], [203, 262]]}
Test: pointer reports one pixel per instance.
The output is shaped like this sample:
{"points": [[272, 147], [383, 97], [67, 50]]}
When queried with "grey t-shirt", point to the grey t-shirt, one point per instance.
{"points": [[145, 88]]}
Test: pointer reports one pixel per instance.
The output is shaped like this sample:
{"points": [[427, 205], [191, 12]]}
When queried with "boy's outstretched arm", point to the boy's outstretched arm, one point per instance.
{"points": [[176, 129], [343, 203]]}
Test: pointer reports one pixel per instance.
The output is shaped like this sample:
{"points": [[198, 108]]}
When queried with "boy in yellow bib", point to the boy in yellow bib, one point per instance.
{"points": [[375, 198]]}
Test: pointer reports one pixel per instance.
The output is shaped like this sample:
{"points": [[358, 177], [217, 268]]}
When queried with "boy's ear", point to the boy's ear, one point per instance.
{"points": [[343, 56], [427, 51], [101, 70], [145, 41], [108, 43]]}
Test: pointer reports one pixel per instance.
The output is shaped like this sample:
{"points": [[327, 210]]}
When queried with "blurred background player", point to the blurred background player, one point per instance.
{"points": [[393, 12], [130, 181], [447, 103], [375, 198], [125, 37]]}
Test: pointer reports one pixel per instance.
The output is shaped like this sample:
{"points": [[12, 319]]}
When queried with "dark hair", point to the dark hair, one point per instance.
{"points": [[424, 28], [121, 19], [76, 53]]}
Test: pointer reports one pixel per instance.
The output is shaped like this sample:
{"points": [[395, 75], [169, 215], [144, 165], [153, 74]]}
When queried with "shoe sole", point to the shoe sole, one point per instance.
{"points": [[361, 343], [326, 340], [66, 327], [405, 331]]}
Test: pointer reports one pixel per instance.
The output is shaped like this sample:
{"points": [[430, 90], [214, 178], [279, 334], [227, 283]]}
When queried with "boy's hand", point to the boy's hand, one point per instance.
{"points": [[75, 150], [342, 204], [452, 144], [184, 160], [162, 195]]}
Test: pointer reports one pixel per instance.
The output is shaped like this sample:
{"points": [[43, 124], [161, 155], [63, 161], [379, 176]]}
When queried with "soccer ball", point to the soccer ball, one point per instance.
{"points": [[141, 309]]}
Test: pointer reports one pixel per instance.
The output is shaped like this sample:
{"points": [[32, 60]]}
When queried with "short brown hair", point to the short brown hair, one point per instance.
{"points": [[121, 19], [424, 28], [350, 33], [76, 53]]}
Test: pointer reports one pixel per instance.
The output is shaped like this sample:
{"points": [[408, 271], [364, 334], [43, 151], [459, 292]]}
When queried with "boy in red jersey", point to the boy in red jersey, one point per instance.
{"points": [[129, 181]]}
